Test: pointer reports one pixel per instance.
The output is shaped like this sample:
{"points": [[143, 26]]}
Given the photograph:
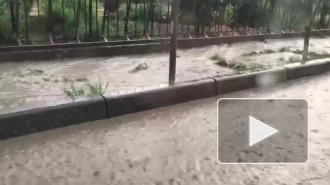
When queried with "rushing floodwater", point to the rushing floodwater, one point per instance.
{"points": [[39, 82], [174, 145]]}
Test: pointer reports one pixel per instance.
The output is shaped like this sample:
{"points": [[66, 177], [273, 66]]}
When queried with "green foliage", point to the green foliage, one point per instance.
{"points": [[90, 90], [73, 93], [275, 14], [96, 89], [284, 49], [219, 60], [267, 51], [298, 52], [315, 56], [216, 57], [6, 31], [64, 13], [241, 68], [139, 12]]}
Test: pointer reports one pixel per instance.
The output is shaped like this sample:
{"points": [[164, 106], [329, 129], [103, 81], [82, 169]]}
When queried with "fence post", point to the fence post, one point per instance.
{"points": [[90, 14], [306, 44], [128, 11], [17, 34], [26, 13], [173, 44], [77, 30], [63, 20], [97, 18]]}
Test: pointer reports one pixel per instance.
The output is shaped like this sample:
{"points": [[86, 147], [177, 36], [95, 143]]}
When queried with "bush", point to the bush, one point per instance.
{"points": [[159, 13], [66, 18], [6, 24]]}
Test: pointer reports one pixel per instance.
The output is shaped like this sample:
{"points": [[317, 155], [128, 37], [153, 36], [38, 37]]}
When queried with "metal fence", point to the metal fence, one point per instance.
{"points": [[56, 21]]}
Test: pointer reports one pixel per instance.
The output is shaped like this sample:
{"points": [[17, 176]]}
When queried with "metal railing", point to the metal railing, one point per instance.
{"points": [[26, 22]]}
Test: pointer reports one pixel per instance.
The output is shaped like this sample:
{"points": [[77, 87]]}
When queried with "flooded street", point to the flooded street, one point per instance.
{"points": [[39, 82], [174, 145]]}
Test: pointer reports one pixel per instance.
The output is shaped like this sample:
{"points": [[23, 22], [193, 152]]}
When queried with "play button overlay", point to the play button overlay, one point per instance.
{"points": [[259, 131], [262, 131]]}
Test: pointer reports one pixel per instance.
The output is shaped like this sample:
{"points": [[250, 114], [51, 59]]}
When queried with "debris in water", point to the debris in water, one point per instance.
{"points": [[46, 79], [37, 72], [83, 79], [65, 79], [140, 67], [96, 173]]}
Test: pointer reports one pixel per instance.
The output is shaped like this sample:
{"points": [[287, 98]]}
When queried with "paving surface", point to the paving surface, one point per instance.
{"points": [[167, 146]]}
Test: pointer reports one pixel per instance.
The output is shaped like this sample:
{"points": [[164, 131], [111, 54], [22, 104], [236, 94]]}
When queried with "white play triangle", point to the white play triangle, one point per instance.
{"points": [[259, 131]]}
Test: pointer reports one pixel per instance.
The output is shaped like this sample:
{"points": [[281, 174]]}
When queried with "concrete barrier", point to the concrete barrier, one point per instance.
{"points": [[247, 81], [109, 49], [80, 45], [142, 101], [47, 118], [296, 71]]}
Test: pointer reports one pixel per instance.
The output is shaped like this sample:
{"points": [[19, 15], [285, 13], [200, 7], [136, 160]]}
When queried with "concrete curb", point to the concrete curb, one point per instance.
{"points": [[118, 48], [295, 71], [231, 84], [136, 102], [42, 119]]}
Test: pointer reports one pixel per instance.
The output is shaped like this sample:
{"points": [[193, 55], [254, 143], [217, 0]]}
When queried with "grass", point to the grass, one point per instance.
{"points": [[73, 93], [284, 49], [241, 68], [216, 57], [219, 60], [96, 89], [237, 66], [297, 51], [315, 56], [90, 90], [267, 51], [253, 53]]}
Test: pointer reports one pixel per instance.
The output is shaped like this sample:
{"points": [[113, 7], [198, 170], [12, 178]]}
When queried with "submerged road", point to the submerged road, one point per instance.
{"points": [[174, 145]]}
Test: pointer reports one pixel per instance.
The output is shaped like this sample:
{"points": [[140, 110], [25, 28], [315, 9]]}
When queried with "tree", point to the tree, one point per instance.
{"points": [[110, 6]]}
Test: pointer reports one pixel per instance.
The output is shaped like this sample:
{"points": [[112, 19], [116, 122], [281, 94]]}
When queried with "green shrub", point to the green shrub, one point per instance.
{"points": [[6, 24], [73, 93], [66, 18], [90, 90], [96, 89]]}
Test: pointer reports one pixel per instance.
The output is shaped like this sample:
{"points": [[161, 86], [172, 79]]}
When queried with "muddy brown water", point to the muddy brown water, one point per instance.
{"points": [[39, 82], [174, 145]]}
